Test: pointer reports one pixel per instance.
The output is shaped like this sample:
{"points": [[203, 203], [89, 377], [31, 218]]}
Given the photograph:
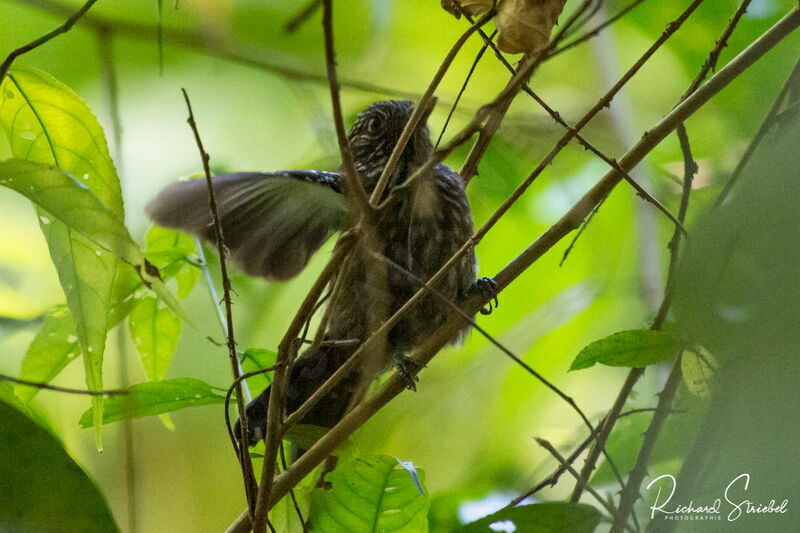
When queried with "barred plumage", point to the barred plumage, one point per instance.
{"points": [[283, 217]]}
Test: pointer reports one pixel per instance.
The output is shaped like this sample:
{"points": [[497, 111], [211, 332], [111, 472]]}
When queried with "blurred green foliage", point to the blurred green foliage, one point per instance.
{"points": [[471, 424]]}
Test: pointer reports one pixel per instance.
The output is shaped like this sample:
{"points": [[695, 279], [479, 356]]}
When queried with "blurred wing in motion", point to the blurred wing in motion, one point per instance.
{"points": [[272, 222]]}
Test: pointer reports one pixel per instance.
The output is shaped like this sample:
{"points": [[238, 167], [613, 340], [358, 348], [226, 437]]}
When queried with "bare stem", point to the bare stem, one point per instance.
{"points": [[244, 459], [65, 27]]}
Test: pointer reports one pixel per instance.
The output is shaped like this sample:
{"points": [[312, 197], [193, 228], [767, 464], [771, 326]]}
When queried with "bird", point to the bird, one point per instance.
{"points": [[273, 222]]}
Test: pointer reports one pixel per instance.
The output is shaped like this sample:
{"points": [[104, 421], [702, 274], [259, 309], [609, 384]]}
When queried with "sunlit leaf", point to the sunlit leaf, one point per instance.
{"points": [[48, 123], [53, 347], [70, 202], [155, 332], [369, 494], [541, 518], [632, 348], [155, 398], [169, 251], [41, 487], [257, 359]]}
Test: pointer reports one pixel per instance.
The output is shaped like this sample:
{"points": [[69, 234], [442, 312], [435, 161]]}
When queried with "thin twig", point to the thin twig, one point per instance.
{"points": [[202, 43], [65, 27], [297, 20], [422, 107], [580, 231], [631, 491], [568, 467], [355, 189], [463, 88], [244, 459], [292, 494], [591, 33], [759, 136], [106, 51], [47, 386]]}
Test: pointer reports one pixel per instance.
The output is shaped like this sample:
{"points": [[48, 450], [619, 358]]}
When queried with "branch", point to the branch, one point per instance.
{"points": [[568, 467], [297, 20], [423, 106], [44, 38], [244, 458], [591, 33], [47, 386], [793, 78], [631, 491], [286, 350], [201, 42], [355, 189]]}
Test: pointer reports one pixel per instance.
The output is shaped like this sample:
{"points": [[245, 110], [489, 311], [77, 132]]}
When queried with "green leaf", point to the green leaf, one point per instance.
{"points": [[369, 494], [41, 487], [52, 349], [169, 251], [542, 518], [155, 332], [304, 436], [155, 398], [48, 123], [70, 202], [633, 348], [257, 359]]}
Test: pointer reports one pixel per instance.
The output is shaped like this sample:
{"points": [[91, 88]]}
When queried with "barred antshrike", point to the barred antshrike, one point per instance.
{"points": [[273, 222]]}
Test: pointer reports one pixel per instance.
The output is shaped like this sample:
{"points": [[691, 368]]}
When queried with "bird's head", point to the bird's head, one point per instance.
{"points": [[375, 133]]}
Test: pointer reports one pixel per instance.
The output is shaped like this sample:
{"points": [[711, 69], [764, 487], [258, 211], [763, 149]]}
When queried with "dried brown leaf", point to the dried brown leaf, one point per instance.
{"points": [[524, 26]]}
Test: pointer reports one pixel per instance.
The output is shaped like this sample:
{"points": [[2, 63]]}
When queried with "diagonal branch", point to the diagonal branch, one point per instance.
{"points": [[244, 459], [355, 188], [65, 27], [423, 106]]}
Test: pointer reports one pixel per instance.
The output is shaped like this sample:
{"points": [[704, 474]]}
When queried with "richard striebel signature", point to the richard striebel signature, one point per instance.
{"points": [[713, 510]]}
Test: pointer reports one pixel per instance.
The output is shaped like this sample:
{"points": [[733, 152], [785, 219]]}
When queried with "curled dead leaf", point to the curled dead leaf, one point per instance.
{"points": [[524, 26], [472, 7]]}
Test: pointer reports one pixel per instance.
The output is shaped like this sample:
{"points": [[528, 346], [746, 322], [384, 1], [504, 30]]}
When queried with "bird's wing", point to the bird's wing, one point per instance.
{"points": [[272, 222]]}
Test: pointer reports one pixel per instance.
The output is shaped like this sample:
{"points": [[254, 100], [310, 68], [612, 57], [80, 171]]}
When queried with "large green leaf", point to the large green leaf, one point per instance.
{"points": [[41, 487], [155, 332], [542, 518], [48, 123], [633, 348], [155, 398], [70, 202], [370, 494]]}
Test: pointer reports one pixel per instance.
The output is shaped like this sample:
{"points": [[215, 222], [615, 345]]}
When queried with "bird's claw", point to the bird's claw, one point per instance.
{"points": [[487, 287], [407, 367]]}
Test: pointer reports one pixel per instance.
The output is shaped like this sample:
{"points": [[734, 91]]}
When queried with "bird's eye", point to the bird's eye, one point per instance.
{"points": [[373, 125]]}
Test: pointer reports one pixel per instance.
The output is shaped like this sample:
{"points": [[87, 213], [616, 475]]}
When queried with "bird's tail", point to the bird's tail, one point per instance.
{"points": [[308, 374]]}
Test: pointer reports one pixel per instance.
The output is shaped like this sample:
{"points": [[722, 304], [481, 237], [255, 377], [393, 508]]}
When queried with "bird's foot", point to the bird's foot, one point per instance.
{"points": [[256, 420], [487, 288], [408, 367]]}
